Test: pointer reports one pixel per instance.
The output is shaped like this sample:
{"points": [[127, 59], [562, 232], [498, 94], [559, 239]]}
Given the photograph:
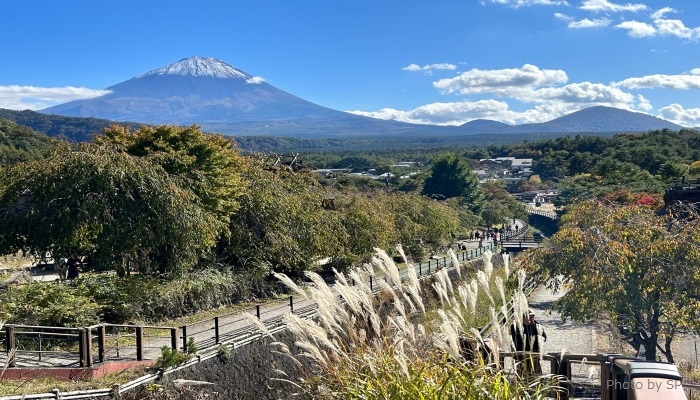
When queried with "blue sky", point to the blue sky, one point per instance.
{"points": [[438, 62]]}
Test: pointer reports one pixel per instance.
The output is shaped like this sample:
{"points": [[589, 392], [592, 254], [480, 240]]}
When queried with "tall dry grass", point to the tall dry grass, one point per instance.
{"points": [[382, 345]]}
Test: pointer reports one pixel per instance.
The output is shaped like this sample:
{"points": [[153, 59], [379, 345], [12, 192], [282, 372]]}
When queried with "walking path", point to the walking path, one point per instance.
{"points": [[207, 333]]}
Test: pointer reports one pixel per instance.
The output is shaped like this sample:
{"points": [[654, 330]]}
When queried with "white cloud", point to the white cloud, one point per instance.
{"points": [[583, 92], [661, 12], [454, 113], [643, 103], [637, 29], [695, 71], [583, 23], [428, 69], [506, 82], [676, 27], [684, 81], [676, 113], [607, 6], [458, 113], [255, 80], [523, 3], [662, 27], [17, 97], [550, 103]]}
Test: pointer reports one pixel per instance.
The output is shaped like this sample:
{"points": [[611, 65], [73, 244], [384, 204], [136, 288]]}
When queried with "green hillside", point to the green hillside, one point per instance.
{"points": [[76, 129], [19, 143]]}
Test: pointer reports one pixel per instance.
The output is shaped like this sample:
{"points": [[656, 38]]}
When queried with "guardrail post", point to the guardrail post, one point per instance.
{"points": [[184, 338], [173, 338], [444, 262], [257, 311], [371, 286], [88, 347], [216, 329], [10, 345], [420, 269], [139, 343], [291, 303], [101, 342]]}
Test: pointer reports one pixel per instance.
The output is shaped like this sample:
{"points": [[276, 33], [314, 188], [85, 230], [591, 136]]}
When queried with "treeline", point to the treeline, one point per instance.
{"points": [[581, 166], [73, 129]]}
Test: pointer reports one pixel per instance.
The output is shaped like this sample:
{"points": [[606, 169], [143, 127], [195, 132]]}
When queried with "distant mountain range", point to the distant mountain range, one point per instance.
{"points": [[224, 99]]}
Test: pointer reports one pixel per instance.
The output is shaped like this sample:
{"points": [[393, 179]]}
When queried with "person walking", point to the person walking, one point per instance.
{"points": [[528, 341], [532, 342], [73, 267]]}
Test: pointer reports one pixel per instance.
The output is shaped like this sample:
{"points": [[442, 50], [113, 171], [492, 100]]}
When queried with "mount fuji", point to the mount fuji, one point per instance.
{"points": [[221, 98]]}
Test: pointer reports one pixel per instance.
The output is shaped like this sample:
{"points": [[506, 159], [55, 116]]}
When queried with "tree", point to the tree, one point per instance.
{"points": [[630, 264], [671, 171], [500, 205], [451, 177], [112, 206], [282, 223], [694, 169], [207, 164]]}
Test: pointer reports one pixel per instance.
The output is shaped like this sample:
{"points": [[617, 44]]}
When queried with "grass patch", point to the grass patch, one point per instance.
{"points": [[46, 385], [386, 346]]}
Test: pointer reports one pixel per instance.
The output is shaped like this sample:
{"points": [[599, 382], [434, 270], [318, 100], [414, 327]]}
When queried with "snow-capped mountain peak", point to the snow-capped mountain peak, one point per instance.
{"points": [[200, 67]]}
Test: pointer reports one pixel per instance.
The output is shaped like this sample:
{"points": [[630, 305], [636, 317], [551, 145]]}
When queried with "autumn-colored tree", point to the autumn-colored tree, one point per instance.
{"points": [[694, 169], [628, 263]]}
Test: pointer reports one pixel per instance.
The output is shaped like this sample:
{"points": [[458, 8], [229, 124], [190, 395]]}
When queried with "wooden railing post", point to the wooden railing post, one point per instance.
{"points": [[88, 347], [101, 342], [184, 338], [420, 269], [257, 311], [10, 346], [139, 343], [291, 304], [216, 329], [371, 286]]}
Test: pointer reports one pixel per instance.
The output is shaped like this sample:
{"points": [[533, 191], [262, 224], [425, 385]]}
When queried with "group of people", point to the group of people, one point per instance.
{"points": [[71, 267]]}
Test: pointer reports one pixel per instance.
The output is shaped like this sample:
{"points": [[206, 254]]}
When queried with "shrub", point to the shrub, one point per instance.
{"points": [[48, 304], [143, 298]]}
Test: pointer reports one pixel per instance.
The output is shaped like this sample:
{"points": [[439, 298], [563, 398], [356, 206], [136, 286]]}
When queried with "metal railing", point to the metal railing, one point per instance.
{"points": [[235, 325], [51, 346], [543, 213]]}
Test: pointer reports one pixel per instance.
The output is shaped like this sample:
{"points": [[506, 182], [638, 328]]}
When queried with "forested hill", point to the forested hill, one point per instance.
{"points": [[568, 156], [76, 129], [19, 143]]}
